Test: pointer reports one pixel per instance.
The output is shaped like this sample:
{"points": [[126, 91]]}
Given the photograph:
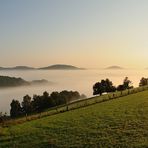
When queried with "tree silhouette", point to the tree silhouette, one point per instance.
{"points": [[127, 83], [103, 86], [27, 105], [143, 81], [40, 103], [16, 109]]}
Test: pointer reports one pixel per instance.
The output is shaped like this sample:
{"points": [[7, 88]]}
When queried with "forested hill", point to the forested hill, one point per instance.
{"points": [[6, 81]]}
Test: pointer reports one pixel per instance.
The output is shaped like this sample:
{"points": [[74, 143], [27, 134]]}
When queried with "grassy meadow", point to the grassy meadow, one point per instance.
{"points": [[121, 122]]}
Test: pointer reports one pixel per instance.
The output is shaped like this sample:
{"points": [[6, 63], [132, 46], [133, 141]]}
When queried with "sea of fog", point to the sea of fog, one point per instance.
{"points": [[79, 80]]}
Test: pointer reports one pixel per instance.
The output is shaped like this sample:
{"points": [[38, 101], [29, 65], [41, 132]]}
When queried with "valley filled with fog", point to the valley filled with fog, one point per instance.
{"points": [[78, 80]]}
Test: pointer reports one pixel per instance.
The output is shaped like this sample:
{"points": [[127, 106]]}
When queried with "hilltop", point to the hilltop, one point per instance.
{"points": [[6, 81], [121, 122], [61, 67], [114, 67]]}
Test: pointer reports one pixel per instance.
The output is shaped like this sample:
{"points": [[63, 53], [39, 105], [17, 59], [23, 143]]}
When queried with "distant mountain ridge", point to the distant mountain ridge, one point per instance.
{"points": [[114, 67], [60, 67], [23, 67], [52, 67]]}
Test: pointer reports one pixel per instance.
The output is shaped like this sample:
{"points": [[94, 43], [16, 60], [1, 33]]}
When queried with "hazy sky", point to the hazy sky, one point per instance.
{"points": [[85, 33]]}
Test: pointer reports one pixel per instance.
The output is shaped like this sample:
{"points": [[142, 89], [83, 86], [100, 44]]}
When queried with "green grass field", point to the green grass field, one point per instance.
{"points": [[121, 123]]}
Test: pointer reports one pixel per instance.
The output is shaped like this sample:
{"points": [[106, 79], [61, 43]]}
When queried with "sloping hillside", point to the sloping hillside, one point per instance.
{"points": [[122, 122]]}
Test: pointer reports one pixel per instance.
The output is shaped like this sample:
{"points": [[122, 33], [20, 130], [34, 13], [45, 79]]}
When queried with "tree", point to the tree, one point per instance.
{"points": [[120, 88], [37, 103], [46, 94], [103, 86], [44, 103], [55, 97], [1, 117], [16, 109], [65, 97], [27, 105], [127, 83], [98, 89], [109, 86], [143, 81]]}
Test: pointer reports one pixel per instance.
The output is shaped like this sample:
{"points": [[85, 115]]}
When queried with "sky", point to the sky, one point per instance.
{"points": [[84, 33]]}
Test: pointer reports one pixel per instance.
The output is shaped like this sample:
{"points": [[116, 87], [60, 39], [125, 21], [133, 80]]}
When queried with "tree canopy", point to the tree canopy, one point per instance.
{"points": [[103, 86], [38, 103], [143, 81]]}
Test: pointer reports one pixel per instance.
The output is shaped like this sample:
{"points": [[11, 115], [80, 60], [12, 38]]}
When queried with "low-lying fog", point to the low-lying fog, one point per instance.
{"points": [[79, 80]]}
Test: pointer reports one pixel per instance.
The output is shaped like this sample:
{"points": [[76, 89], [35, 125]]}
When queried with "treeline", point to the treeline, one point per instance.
{"points": [[40, 103], [106, 86]]}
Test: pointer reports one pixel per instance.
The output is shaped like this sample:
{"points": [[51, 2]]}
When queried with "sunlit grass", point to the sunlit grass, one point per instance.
{"points": [[121, 122]]}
